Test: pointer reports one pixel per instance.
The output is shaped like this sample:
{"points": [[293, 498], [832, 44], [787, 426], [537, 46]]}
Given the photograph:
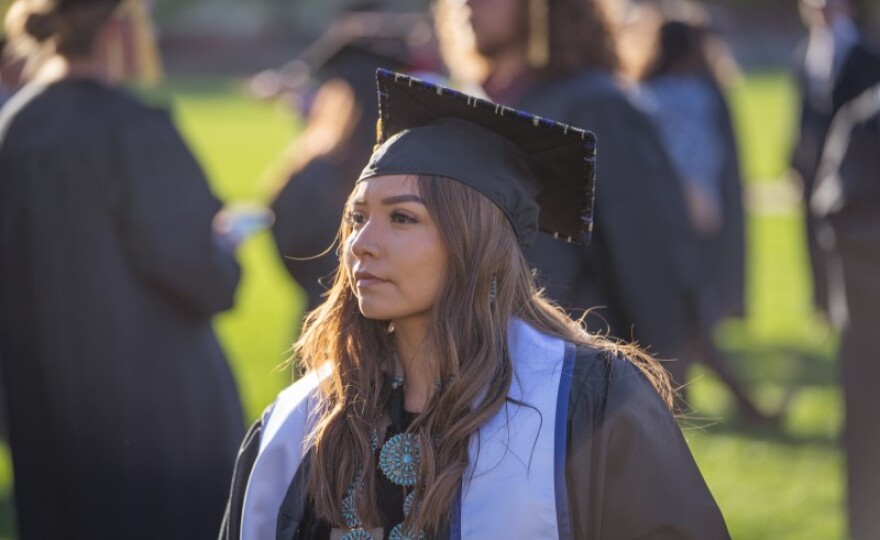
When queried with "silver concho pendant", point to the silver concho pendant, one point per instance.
{"points": [[358, 534], [397, 533], [399, 459]]}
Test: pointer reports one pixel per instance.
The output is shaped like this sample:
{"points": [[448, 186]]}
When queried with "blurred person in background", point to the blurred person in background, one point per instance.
{"points": [[846, 201], [559, 58], [124, 417], [332, 84], [9, 77], [684, 81], [834, 64]]}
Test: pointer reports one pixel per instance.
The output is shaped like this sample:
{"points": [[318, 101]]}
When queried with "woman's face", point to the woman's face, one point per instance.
{"points": [[395, 255]]}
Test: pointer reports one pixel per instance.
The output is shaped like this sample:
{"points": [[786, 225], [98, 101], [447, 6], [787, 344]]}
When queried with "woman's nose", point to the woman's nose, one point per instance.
{"points": [[365, 241]]}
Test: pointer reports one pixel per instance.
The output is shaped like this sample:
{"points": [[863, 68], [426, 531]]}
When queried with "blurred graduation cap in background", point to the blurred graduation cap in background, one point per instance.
{"points": [[331, 86], [353, 47]]}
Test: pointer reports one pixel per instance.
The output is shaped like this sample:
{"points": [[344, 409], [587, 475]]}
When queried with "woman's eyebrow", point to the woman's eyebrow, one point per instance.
{"points": [[403, 198]]}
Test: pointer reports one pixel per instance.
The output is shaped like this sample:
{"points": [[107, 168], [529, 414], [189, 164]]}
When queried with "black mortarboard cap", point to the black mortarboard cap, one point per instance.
{"points": [[539, 172], [375, 38]]}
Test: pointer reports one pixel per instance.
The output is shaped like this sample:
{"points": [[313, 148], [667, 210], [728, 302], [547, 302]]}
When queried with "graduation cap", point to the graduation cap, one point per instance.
{"points": [[539, 172], [370, 36], [352, 48]]}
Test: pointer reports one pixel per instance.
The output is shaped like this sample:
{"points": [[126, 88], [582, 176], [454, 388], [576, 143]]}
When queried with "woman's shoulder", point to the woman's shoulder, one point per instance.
{"points": [[272, 450], [603, 360], [294, 403], [604, 373], [296, 394]]}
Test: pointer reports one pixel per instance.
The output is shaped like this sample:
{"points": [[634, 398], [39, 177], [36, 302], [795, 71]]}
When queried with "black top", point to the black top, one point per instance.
{"points": [[390, 495], [629, 473], [123, 414]]}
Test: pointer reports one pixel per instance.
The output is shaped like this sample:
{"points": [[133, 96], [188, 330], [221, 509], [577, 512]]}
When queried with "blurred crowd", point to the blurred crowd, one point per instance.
{"points": [[114, 254]]}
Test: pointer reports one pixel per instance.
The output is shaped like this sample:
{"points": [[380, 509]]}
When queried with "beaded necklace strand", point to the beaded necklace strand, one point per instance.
{"points": [[399, 461]]}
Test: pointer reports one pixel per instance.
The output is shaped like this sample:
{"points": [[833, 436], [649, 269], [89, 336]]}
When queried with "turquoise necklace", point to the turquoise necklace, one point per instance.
{"points": [[399, 461]]}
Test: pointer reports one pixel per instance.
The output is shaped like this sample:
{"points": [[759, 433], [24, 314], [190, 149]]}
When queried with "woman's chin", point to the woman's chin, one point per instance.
{"points": [[371, 311]]}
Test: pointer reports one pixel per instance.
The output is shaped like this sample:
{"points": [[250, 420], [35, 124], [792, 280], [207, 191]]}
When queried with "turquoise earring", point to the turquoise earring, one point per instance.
{"points": [[493, 290]]}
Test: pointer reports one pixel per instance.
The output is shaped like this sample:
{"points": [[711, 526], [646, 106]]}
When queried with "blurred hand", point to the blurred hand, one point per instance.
{"points": [[235, 222], [704, 212]]}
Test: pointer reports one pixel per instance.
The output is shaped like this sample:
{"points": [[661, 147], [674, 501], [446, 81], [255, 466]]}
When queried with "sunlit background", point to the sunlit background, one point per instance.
{"points": [[778, 483]]}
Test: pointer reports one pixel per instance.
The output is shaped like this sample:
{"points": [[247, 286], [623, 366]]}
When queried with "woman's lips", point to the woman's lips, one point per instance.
{"points": [[368, 282], [365, 279]]}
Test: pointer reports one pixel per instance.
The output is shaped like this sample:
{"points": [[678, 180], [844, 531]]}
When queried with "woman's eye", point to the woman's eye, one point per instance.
{"points": [[400, 217], [354, 218]]}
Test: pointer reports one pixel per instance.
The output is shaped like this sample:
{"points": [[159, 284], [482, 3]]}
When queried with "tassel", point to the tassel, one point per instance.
{"points": [[539, 33], [146, 50], [116, 58]]}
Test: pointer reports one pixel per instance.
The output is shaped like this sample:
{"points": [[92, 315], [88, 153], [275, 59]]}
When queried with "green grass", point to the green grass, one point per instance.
{"points": [[764, 115], [769, 485], [788, 484]]}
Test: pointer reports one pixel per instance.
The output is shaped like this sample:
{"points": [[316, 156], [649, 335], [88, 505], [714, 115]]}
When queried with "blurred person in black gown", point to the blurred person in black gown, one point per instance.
{"points": [[559, 59], [333, 84], [684, 81], [123, 413], [846, 202], [834, 64]]}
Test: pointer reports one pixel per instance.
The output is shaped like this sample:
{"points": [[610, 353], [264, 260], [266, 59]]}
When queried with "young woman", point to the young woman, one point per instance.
{"points": [[444, 396]]}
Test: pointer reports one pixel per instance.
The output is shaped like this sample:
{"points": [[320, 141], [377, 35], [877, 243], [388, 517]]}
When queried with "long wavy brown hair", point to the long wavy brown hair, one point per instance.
{"points": [[467, 341]]}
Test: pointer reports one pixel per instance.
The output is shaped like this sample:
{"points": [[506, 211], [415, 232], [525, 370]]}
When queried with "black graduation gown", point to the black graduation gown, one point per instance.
{"points": [[641, 267], [847, 203], [629, 472], [859, 71], [727, 254], [123, 413]]}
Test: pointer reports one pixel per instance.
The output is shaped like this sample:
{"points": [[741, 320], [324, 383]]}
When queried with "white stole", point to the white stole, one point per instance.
{"points": [[282, 447], [509, 490]]}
